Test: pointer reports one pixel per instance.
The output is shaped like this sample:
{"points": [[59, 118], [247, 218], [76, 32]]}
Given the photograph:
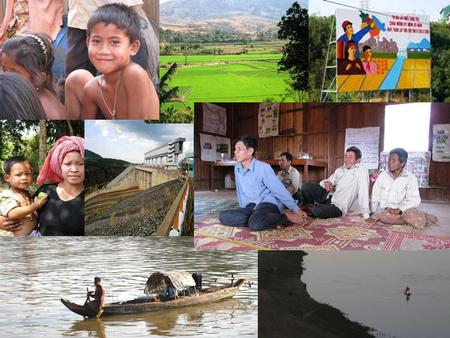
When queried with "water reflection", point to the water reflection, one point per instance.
{"points": [[37, 272], [371, 288], [160, 323]]}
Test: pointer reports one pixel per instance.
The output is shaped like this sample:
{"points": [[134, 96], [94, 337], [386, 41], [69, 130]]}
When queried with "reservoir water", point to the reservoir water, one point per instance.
{"points": [[369, 288], [36, 272]]}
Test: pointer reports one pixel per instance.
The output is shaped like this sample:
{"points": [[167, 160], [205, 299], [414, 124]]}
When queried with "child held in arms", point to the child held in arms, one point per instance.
{"points": [[124, 90], [15, 202]]}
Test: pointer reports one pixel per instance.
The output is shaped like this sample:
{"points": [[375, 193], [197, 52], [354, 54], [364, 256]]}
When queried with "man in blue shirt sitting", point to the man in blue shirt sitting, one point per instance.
{"points": [[261, 195]]}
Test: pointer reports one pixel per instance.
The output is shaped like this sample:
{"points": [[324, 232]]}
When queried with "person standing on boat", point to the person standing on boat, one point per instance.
{"points": [[99, 297]]}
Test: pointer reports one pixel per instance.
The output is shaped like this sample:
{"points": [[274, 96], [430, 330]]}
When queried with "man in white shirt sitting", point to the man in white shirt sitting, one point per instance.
{"points": [[335, 195], [288, 175], [395, 191]]}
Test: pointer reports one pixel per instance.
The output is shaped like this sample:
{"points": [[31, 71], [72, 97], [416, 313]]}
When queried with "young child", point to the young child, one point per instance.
{"points": [[31, 56], [15, 202], [124, 91]]}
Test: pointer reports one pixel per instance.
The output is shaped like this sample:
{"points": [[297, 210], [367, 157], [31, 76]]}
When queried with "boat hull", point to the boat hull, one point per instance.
{"points": [[130, 308]]}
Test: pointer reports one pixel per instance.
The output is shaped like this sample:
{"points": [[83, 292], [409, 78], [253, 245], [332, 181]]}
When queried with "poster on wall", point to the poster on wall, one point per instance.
{"points": [[382, 51], [214, 119], [441, 142], [367, 140], [418, 164], [214, 148], [268, 115], [223, 150], [208, 147]]}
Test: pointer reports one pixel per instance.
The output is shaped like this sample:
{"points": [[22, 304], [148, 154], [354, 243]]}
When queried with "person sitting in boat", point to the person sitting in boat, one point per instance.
{"points": [[169, 292], [99, 297]]}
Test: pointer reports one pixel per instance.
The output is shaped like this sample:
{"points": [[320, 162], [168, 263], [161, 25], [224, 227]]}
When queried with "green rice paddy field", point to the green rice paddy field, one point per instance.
{"points": [[249, 77]]}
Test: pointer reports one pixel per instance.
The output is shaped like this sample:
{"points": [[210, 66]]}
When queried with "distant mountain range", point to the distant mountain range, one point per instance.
{"points": [[423, 44], [245, 16], [90, 154], [100, 170]]}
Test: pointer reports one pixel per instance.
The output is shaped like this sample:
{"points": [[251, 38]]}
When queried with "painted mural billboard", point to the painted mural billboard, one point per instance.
{"points": [[382, 51]]}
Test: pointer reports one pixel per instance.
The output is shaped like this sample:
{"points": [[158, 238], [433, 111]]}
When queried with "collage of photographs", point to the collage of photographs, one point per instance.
{"points": [[200, 168]]}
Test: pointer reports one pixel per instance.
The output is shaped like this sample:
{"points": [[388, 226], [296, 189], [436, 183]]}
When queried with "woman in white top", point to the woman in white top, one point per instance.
{"points": [[395, 195]]}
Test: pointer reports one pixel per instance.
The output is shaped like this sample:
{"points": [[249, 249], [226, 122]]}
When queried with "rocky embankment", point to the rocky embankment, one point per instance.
{"points": [[287, 310], [138, 215]]}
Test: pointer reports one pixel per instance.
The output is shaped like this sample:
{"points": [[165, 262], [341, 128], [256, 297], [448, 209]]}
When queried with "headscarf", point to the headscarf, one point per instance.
{"points": [[51, 169]]}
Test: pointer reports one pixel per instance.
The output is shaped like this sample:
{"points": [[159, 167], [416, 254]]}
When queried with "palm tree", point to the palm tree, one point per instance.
{"points": [[167, 94], [169, 113]]}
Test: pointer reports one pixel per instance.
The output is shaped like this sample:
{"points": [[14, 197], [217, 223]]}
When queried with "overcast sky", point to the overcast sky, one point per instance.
{"points": [[129, 140], [302, 3], [431, 8]]}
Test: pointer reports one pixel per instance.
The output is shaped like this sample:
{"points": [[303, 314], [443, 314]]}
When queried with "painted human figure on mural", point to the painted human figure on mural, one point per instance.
{"points": [[349, 35], [370, 66], [351, 65]]}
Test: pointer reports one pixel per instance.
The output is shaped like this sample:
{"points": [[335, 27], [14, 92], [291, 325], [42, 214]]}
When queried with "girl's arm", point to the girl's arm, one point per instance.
{"points": [[7, 19]]}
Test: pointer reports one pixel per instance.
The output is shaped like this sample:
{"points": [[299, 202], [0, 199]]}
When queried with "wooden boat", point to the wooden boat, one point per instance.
{"points": [[151, 304]]}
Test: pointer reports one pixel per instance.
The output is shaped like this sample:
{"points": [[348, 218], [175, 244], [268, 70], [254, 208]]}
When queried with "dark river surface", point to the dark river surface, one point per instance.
{"points": [[36, 272], [369, 288]]}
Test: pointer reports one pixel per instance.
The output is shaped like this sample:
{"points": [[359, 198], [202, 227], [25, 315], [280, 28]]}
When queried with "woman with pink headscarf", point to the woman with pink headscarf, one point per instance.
{"points": [[63, 214]]}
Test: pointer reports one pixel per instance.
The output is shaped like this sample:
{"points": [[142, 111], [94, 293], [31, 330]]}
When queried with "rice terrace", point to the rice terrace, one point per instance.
{"points": [[222, 56], [250, 77]]}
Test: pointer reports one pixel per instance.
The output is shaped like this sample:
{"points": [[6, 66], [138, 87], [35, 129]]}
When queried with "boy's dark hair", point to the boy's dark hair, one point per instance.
{"points": [[34, 52], [19, 100], [97, 279], [366, 47], [249, 142], [120, 15], [288, 156], [402, 154], [356, 150], [11, 161]]}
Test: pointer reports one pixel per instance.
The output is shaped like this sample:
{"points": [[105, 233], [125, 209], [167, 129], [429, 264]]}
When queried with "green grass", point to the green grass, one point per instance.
{"points": [[419, 55], [204, 59], [228, 78]]}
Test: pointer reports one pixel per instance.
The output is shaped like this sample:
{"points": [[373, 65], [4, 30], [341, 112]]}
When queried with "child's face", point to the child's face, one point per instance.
{"points": [[20, 176], [9, 65], [109, 48], [72, 168]]}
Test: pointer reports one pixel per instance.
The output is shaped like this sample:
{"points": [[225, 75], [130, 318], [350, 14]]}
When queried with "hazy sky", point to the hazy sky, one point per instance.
{"points": [[129, 140], [301, 2], [431, 8]]}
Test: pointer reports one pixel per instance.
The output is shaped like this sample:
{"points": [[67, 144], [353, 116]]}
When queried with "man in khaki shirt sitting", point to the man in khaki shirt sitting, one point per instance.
{"points": [[288, 175], [395, 194]]}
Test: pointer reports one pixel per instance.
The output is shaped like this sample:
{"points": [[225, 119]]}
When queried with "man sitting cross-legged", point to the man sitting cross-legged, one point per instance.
{"points": [[261, 196]]}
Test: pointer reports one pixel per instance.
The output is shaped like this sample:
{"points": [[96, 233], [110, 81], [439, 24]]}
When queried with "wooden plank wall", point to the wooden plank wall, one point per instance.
{"points": [[319, 130], [439, 171], [202, 169]]}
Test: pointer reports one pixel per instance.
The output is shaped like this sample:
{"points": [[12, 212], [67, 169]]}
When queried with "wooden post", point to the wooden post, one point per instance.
{"points": [[2, 10], [151, 8]]}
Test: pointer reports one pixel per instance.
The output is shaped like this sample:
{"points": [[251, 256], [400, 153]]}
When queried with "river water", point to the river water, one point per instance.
{"points": [[36, 272], [369, 288]]}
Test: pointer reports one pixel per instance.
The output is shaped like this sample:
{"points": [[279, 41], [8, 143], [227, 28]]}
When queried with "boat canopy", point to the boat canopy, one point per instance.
{"points": [[179, 279]]}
